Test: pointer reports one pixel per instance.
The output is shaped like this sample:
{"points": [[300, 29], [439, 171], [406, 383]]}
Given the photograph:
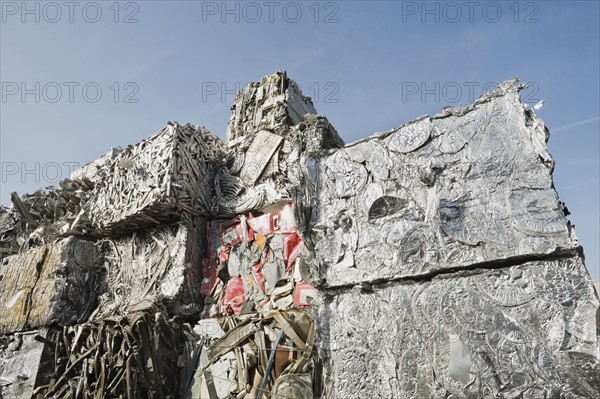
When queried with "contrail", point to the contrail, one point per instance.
{"points": [[578, 123]]}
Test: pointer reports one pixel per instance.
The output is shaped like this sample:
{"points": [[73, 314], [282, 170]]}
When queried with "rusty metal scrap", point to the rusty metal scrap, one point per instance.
{"points": [[430, 260]]}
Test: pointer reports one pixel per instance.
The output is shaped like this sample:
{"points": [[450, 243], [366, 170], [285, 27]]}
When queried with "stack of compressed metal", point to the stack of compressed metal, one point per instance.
{"points": [[431, 260], [103, 262], [256, 335], [102, 276], [447, 235]]}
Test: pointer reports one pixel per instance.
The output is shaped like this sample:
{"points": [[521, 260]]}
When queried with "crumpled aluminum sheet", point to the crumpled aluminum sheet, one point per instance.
{"points": [[469, 186], [526, 331]]}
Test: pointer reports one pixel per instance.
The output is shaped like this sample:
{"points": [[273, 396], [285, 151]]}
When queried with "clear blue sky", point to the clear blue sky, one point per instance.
{"points": [[369, 66]]}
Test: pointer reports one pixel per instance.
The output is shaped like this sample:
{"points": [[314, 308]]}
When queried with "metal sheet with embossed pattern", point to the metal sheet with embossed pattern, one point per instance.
{"points": [[454, 190], [526, 331]]}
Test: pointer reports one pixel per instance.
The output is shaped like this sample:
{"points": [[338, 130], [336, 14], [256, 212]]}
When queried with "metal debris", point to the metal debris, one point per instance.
{"points": [[430, 260], [259, 155], [521, 331], [156, 180], [447, 235], [42, 217], [255, 351], [254, 264], [53, 284], [20, 356], [134, 356], [272, 131], [151, 267]]}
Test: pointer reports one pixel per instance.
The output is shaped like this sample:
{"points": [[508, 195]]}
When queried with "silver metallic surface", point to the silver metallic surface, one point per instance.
{"points": [[438, 193], [433, 260], [523, 331], [447, 266]]}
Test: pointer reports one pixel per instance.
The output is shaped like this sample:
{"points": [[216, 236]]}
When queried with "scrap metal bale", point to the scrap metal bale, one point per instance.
{"points": [[522, 331], [53, 284], [133, 356], [272, 130], [273, 104], [155, 181], [157, 265], [8, 232], [20, 363], [446, 262], [471, 185], [44, 216], [90, 171]]}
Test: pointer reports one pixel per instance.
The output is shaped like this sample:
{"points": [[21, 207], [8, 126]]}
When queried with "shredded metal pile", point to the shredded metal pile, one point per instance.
{"points": [[430, 260]]}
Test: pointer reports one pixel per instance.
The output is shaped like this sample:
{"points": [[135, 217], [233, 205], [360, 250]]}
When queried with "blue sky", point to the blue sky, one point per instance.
{"points": [[81, 77]]}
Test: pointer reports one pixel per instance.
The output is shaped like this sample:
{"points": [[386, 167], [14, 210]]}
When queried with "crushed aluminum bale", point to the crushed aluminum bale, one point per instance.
{"points": [[133, 356], [156, 180], [525, 331], [255, 172], [447, 234], [20, 363], [53, 284], [154, 266], [42, 217], [450, 191]]}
